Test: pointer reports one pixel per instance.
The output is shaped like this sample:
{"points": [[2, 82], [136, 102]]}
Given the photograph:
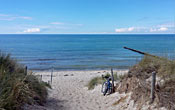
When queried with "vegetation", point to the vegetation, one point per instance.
{"points": [[119, 77], [137, 82], [99, 80], [16, 87], [164, 67], [95, 81]]}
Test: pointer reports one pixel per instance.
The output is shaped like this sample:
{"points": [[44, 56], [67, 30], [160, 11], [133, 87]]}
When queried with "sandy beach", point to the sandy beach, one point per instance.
{"points": [[69, 92]]}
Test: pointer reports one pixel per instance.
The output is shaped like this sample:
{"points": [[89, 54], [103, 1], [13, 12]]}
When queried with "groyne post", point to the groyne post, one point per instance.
{"points": [[153, 86], [143, 53], [112, 75]]}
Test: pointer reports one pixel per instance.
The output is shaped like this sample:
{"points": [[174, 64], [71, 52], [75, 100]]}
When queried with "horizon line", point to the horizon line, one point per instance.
{"points": [[81, 33]]}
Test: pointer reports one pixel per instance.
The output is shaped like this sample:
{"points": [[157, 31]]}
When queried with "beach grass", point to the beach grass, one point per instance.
{"points": [[16, 87], [139, 84], [93, 82], [99, 80], [164, 67]]}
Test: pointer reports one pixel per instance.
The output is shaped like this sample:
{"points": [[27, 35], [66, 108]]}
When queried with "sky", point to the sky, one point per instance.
{"points": [[87, 16]]}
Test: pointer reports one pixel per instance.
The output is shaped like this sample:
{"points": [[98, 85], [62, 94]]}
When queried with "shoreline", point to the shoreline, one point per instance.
{"points": [[82, 70]]}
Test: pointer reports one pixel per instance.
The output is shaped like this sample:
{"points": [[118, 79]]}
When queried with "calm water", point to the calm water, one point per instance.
{"points": [[65, 52]]}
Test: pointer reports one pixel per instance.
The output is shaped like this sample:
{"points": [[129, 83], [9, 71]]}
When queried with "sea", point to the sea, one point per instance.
{"points": [[84, 51]]}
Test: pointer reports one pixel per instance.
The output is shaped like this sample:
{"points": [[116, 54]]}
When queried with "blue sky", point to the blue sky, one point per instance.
{"points": [[87, 16]]}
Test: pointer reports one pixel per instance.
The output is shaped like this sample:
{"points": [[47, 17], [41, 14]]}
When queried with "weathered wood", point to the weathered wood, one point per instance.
{"points": [[153, 86], [51, 75], [41, 77], [112, 75], [26, 70], [48, 82], [140, 52]]}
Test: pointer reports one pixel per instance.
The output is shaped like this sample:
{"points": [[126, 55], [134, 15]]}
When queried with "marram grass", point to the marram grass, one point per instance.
{"points": [[17, 88], [99, 80], [164, 67]]}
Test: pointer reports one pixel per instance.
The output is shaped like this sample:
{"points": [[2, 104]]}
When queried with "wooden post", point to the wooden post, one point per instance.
{"points": [[26, 70], [41, 77], [48, 82], [153, 86], [51, 75], [113, 90], [143, 53]]}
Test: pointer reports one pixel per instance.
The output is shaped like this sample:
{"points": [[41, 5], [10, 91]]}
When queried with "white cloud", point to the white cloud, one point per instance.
{"points": [[24, 17], [56, 23], [153, 29], [163, 29], [121, 30], [130, 29], [32, 30], [6, 17], [166, 27]]}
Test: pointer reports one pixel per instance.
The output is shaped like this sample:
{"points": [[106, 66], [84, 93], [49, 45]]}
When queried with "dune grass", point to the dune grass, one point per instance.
{"points": [[95, 81], [17, 88], [138, 84], [99, 80], [164, 67]]}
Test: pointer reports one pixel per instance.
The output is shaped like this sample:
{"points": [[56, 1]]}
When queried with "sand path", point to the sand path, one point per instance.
{"points": [[69, 92]]}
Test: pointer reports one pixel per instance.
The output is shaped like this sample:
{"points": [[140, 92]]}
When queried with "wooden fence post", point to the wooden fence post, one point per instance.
{"points": [[26, 70], [51, 75], [113, 90], [41, 77], [153, 86]]}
